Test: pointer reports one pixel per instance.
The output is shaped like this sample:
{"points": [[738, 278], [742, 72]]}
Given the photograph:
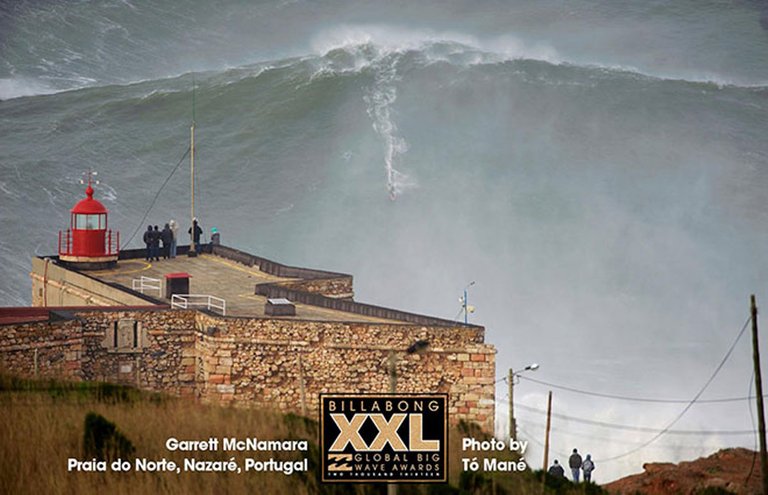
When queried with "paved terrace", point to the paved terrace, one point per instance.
{"points": [[221, 277]]}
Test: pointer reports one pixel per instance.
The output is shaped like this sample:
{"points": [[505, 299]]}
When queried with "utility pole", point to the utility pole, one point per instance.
{"points": [[759, 393], [192, 246], [511, 384], [549, 425], [512, 422], [392, 487], [418, 347]]}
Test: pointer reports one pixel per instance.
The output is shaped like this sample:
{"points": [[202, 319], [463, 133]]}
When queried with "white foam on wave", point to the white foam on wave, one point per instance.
{"points": [[513, 48], [379, 99], [18, 87], [51, 196], [379, 48], [390, 39], [366, 44], [6, 190], [470, 50], [108, 193]]}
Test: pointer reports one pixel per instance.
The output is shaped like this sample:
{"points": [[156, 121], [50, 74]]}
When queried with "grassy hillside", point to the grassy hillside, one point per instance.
{"points": [[43, 424]]}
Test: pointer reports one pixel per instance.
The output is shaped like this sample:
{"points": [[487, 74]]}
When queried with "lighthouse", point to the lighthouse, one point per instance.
{"points": [[87, 244]]}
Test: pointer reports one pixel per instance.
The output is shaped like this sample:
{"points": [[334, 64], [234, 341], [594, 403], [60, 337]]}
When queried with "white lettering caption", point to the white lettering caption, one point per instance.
{"points": [[492, 464]]}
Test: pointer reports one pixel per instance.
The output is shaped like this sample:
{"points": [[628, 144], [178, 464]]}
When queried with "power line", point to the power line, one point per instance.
{"points": [[146, 213], [635, 399], [618, 426], [537, 442], [616, 440], [691, 403], [643, 429]]}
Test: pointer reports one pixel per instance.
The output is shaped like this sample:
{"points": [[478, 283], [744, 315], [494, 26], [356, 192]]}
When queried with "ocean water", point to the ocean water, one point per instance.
{"points": [[598, 168]]}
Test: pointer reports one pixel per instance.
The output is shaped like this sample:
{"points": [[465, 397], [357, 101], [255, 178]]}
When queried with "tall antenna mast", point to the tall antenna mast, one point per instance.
{"points": [[192, 246]]}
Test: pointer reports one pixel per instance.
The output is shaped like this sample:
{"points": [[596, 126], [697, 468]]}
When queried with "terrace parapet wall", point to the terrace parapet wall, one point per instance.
{"points": [[329, 284], [336, 288]]}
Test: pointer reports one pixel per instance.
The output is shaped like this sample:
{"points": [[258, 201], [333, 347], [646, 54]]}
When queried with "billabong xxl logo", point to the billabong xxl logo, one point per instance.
{"points": [[400, 438]]}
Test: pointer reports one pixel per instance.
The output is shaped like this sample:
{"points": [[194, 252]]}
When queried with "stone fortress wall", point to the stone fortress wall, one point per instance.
{"points": [[85, 328], [274, 363]]}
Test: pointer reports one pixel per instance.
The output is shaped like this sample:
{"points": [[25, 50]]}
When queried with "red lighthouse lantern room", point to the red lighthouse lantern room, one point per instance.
{"points": [[87, 244]]}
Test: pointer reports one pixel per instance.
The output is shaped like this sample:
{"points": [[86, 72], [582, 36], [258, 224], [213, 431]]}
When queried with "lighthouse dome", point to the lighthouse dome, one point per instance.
{"points": [[89, 205]]}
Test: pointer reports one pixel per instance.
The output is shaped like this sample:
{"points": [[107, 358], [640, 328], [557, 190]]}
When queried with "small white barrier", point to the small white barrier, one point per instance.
{"points": [[146, 283], [186, 301]]}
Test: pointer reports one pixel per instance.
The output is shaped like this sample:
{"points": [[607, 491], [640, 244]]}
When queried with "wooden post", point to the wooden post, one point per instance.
{"points": [[392, 372], [512, 422], [34, 358], [302, 391], [392, 487], [138, 372], [546, 438], [759, 393]]}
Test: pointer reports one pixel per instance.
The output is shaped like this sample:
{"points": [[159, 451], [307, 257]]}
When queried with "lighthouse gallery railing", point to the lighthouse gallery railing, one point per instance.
{"points": [[111, 243]]}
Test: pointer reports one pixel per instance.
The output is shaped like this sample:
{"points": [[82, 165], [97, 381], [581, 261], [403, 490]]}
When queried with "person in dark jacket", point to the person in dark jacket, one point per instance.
{"points": [[156, 243], [196, 235], [556, 470], [148, 241], [574, 462], [167, 237]]}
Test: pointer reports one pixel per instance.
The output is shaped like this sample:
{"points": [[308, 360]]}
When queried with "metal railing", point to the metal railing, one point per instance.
{"points": [[113, 242], [146, 283], [186, 301], [65, 242]]}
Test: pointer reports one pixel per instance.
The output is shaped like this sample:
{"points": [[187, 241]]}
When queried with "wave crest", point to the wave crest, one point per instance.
{"points": [[18, 87]]}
